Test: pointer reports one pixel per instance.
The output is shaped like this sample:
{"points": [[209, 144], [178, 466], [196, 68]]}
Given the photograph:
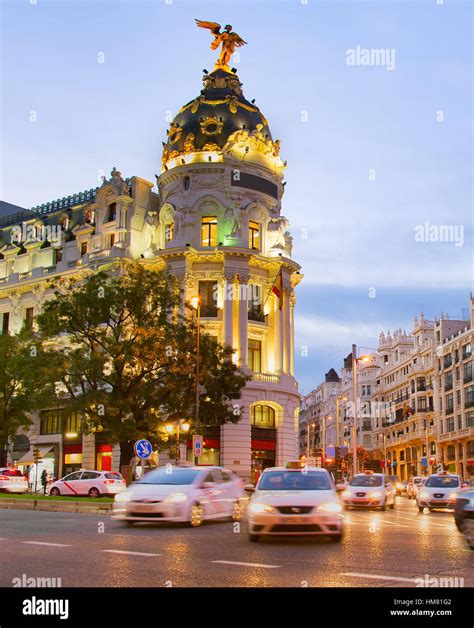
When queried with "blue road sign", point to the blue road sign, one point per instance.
{"points": [[143, 448]]}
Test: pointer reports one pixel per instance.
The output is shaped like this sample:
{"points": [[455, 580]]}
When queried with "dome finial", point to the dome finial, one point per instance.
{"points": [[227, 38]]}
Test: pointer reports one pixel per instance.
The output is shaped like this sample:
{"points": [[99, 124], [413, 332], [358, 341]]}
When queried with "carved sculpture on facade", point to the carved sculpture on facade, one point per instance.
{"points": [[150, 227], [276, 229]]}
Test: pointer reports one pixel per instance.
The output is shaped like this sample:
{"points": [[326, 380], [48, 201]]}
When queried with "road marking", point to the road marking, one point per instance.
{"points": [[44, 543], [231, 562], [376, 577], [112, 551]]}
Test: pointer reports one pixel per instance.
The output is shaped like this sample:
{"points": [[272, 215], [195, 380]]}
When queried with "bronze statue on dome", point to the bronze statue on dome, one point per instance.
{"points": [[227, 38]]}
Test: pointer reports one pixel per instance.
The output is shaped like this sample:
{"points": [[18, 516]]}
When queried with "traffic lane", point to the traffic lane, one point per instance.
{"points": [[218, 555]]}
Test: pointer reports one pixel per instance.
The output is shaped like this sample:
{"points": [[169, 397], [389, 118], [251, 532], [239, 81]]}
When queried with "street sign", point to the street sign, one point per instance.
{"points": [[197, 445], [424, 462], [143, 448]]}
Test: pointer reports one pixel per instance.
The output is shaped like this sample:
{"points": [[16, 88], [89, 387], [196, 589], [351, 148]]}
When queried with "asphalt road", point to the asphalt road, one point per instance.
{"points": [[386, 549]]}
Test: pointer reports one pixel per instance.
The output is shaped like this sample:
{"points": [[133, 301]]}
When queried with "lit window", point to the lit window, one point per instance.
{"points": [[254, 235], [255, 356], [169, 232], [262, 416], [209, 231], [83, 248]]}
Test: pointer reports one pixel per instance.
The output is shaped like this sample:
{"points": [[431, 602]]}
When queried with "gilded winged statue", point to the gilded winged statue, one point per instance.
{"points": [[227, 38]]}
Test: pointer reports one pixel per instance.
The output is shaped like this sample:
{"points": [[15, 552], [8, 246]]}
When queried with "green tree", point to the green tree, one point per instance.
{"points": [[21, 387], [120, 348]]}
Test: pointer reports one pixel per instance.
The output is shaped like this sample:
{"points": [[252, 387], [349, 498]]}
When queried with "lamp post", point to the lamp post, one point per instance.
{"points": [[355, 361], [196, 303], [170, 427]]}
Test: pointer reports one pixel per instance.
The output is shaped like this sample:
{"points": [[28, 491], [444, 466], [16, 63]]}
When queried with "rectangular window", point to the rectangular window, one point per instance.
{"points": [[208, 298], [469, 397], [449, 404], [209, 231], [83, 248], [5, 322], [470, 419], [450, 424], [448, 381], [422, 404], [58, 256], [29, 317], [51, 422], [112, 212], [169, 232], [468, 372], [448, 360], [110, 240], [466, 351], [459, 422], [255, 303], [254, 235], [73, 424], [420, 384], [255, 356]]}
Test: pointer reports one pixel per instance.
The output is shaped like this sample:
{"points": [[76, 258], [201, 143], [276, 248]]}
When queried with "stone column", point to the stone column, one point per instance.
{"points": [[228, 303], [286, 331], [292, 333], [123, 203], [243, 321], [88, 451], [278, 337]]}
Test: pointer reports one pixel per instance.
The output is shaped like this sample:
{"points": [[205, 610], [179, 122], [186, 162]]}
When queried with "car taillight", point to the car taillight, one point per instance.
{"points": [[4, 477], [109, 481]]}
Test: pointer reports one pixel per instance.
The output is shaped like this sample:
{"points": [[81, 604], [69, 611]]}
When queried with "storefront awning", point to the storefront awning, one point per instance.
{"points": [[29, 458]]}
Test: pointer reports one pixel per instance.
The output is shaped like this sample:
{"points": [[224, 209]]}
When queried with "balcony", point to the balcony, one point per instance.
{"points": [[256, 315], [266, 377], [469, 404]]}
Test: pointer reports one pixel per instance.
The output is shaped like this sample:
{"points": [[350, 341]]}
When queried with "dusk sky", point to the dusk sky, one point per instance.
{"points": [[372, 151]]}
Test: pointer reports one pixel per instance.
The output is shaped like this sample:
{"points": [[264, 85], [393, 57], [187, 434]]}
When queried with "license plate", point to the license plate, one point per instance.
{"points": [[294, 520]]}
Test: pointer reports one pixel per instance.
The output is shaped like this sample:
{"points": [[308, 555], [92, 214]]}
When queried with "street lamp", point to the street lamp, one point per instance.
{"points": [[170, 427], [196, 303], [355, 361]]}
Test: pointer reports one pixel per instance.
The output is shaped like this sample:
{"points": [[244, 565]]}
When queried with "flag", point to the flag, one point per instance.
{"points": [[277, 288]]}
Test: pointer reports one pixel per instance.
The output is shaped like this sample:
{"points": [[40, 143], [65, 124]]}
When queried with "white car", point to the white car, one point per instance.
{"points": [[295, 501], [370, 490], [12, 481], [439, 491], [91, 483], [182, 494]]}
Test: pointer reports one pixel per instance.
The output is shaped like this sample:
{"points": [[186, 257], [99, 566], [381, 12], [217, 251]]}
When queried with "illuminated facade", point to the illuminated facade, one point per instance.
{"points": [[215, 223]]}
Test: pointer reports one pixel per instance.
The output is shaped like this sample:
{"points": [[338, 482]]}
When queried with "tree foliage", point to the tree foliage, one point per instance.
{"points": [[121, 350]]}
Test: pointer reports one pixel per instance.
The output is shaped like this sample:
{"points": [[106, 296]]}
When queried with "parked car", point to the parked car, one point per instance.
{"points": [[439, 491], [295, 501], [370, 490], [91, 483], [464, 514], [181, 494], [12, 481]]}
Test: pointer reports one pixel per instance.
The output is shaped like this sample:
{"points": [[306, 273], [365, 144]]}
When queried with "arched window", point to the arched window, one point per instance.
{"points": [[262, 415], [169, 232]]}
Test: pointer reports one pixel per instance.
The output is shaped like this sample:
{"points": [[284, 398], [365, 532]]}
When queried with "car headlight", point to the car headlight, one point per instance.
{"points": [[424, 494], [453, 496], [399, 485], [375, 494], [346, 493], [175, 498], [258, 507], [123, 497], [331, 507]]}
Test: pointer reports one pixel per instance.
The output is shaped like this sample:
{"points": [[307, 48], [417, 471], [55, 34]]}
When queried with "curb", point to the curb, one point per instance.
{"points": [[88, 508]]}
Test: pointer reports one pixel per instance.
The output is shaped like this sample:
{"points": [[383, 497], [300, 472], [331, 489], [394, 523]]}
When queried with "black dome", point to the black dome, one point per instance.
{"points": [[206, 122]]}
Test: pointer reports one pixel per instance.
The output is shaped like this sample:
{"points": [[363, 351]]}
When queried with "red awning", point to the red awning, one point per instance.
{"points": [[73, 449], [209, 443], [266, 445]]}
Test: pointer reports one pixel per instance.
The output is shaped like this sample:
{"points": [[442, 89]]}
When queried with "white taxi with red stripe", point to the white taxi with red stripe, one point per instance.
{"points": [[91, 483], [12, 481]]}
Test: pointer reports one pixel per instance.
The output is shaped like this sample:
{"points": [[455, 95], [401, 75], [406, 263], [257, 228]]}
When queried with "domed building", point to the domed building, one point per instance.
{"points": [[216, 224], [221, 231]]}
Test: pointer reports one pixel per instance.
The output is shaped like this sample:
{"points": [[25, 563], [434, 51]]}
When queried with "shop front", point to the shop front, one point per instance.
{"points": [[72, 458], [263, 439], [38, 459]]}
